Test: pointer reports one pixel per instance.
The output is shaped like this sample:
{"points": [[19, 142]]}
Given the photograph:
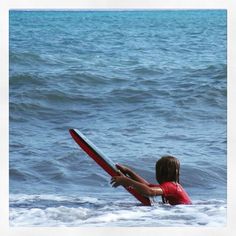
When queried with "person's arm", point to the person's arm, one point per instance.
{"points": [[127, 171], [140, 187]]}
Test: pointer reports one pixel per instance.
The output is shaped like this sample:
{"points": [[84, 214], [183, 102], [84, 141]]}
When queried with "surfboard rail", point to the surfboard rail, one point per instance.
{"points": [[103, 161]]}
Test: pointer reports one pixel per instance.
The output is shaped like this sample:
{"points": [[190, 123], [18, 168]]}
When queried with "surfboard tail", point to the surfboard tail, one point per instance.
{"points": [[144, 200]]}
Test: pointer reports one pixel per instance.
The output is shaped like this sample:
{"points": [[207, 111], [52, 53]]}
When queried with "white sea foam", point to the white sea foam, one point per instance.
{"points": [[31, 210]]}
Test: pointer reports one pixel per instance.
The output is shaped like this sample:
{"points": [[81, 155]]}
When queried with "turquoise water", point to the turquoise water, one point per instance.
{"points": [[139, 84]]}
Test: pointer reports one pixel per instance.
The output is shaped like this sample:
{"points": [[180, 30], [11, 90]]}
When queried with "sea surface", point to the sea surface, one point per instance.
{"points": [[139, 84]]}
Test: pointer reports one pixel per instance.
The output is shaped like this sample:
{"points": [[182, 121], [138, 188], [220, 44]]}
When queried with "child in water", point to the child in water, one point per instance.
{"points": [[167, 174]]}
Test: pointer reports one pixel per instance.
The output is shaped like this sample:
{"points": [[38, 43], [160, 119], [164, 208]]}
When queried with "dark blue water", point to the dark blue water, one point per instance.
{"points": [[139, 84]]}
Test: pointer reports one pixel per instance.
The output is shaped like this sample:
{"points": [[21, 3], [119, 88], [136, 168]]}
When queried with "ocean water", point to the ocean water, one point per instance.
{"points": [[139, 84]]}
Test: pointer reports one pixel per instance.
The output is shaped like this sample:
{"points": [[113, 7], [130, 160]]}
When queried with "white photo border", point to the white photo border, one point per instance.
{"points": [[6, 5]]}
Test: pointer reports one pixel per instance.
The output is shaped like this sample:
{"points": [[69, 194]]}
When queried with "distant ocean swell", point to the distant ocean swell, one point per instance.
{"points": [[184, 92]]}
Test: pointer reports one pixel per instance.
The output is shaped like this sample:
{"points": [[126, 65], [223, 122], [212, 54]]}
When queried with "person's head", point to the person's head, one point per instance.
{"points": [[167, 169]]}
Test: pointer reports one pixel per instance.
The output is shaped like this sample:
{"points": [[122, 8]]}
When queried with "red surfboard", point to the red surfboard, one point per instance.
{"points": [[104, 162]]}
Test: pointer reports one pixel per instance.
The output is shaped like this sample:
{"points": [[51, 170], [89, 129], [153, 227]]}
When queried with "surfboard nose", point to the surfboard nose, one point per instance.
{"points": [[71, 131]]}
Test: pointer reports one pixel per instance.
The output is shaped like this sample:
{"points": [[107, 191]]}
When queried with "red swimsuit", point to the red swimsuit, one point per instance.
{"points": [[173, 193]]}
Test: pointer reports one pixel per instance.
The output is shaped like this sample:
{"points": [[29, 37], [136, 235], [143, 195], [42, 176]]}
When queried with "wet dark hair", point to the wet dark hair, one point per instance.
{"points": [[167, 169]]}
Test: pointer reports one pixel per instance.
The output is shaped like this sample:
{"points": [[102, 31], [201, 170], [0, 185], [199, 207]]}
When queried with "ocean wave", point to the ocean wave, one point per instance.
{"points": [[32, 108], [147, 71], [51, 105], [197, 180], [25, 58], [130, 94], [41, 93], [26, 79], [85, 78], [19, 174], [53, 210], [216, 71]]}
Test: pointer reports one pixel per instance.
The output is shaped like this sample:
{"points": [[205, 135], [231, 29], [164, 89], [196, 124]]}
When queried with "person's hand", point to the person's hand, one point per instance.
{"points": [[123, 169], [117, 181]]}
